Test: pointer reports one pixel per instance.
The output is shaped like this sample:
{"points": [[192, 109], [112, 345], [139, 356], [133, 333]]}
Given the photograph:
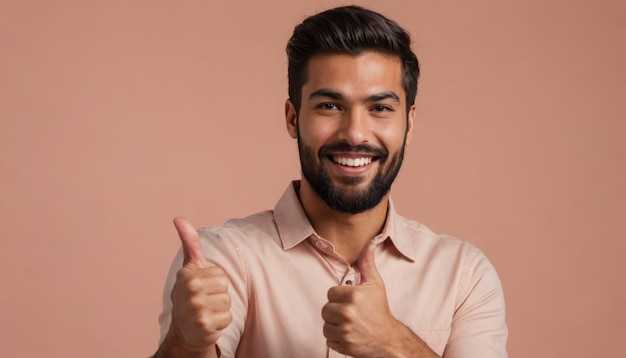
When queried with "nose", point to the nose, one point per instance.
{"points": [[354, 128]]}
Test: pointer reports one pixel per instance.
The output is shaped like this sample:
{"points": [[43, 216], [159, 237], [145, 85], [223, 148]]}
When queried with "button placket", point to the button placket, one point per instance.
{"points": [[349, 279], [336, 262]]}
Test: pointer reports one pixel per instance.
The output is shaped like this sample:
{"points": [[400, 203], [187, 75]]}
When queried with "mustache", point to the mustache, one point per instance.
{"points": [[380, 152]]}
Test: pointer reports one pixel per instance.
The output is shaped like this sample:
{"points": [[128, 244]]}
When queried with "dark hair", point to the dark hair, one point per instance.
{"points": [[349, 30]]}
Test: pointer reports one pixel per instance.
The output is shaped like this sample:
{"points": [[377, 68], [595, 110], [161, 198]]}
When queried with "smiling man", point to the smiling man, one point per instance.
{"points": [[333, 270]]}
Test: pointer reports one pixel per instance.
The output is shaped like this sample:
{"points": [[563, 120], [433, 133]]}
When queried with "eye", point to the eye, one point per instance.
{"points": [[327, 106], [382, 108]]}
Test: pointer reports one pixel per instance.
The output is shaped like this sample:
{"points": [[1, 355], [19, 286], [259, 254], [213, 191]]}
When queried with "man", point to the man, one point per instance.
{"points": [[333, 270]]}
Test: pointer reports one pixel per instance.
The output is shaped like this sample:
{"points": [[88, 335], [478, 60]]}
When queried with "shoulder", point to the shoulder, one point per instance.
{"points": [[444, 251], [263, 220], [256, 229], [423, 237]]}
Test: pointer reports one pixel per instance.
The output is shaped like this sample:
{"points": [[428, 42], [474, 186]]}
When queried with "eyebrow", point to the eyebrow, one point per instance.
{"points": [[328, 93], [383, 96], [325, 92]]}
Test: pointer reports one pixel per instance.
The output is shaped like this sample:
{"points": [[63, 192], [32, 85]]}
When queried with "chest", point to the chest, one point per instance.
{"points": [[289, 290]]}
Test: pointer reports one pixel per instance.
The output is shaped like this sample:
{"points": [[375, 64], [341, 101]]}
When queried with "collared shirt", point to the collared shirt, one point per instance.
{"points": [[280, 270]]}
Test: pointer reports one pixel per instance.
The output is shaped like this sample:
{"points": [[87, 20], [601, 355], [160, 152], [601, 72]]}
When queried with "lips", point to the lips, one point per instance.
{"points": [[350, 161], [352, 156]]}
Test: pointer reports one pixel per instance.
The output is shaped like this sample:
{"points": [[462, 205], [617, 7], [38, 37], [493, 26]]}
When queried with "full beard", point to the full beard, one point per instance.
{"points": [[352, 201]]}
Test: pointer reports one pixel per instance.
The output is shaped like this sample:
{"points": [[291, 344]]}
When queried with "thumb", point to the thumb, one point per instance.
{"points": [[192, 250], [367, 264]]}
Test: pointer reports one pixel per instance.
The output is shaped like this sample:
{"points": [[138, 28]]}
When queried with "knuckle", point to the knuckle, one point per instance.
{"points": [[341, 334], [220, 302], [227, 301], [221, 283], [197, 304], [229, 319], [347, 313], [332, 292], [194, 286], [325, 311], [205, 325], [213, 323], [358, 296], [327, 331], [223, 320]]}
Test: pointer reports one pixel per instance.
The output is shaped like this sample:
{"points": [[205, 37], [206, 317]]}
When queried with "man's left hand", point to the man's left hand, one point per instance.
{"points": [[357, 319]]}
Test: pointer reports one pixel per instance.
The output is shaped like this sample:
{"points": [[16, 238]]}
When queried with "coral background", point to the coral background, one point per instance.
{"points": [[116, 116]]}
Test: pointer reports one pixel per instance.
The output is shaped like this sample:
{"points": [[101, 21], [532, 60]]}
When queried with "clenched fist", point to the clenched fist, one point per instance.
{"points": [[359, 323], [201, 303]]}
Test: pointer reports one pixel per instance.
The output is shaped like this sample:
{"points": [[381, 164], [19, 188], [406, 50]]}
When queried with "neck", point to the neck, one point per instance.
{"points": [[349, 233]]}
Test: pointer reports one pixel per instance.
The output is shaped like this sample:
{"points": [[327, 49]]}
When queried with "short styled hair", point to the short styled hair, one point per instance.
{"points": [[349, 30]]}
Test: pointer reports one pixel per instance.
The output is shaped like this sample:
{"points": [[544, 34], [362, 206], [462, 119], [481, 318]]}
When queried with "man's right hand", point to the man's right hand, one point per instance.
{"points": [[201, 303]]}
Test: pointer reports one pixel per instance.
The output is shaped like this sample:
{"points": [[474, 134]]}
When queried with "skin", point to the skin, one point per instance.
{"points": [[349, 99]]}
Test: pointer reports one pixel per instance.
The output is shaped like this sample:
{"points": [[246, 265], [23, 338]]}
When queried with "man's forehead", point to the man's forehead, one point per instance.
{"points": [[363, 58], [366, 74]]}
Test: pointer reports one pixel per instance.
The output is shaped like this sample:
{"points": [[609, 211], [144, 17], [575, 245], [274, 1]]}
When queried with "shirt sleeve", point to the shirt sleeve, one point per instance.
{"points": [[478, 326], [220, 251]]}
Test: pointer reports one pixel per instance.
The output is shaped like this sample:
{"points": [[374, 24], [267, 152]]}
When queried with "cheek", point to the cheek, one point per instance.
{"points": [[316, 134], [392, 137]]}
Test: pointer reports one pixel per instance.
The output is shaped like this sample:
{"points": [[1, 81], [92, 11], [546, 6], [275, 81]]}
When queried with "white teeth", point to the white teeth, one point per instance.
{"points": [[352, 162]]}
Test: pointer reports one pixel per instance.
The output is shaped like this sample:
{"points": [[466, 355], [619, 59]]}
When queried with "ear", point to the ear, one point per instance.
{"points": [[409, 130], [290, 119]]}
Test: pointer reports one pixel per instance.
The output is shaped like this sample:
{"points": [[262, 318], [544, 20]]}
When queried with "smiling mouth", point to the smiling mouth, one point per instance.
{"points": [[351, 162]]}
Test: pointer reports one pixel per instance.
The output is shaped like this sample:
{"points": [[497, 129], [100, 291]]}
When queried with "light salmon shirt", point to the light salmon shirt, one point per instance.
{"points": [[444, 290]]}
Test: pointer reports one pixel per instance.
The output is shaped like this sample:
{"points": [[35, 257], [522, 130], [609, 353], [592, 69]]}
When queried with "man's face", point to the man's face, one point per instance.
{"points": [[352, 128]]}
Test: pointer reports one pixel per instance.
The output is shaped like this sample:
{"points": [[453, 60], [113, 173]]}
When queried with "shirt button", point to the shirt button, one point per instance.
{"points": [[321, 244], [349, 283]]}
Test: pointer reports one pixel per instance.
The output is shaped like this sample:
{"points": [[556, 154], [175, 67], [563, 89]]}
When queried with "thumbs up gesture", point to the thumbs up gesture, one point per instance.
{"points": [[201, 303], [357, 318]]}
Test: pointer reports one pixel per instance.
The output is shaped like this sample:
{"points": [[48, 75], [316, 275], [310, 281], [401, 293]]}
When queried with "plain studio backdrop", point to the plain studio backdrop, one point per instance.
{"points": [[116, 116]]}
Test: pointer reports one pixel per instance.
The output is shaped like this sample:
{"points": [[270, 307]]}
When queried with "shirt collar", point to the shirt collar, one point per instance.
{"points": [[395, 231], [294, 226], [291, 220]]}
